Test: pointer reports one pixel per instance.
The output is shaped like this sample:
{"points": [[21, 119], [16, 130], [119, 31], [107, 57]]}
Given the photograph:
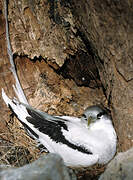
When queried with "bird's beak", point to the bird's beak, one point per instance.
{"points": [[89, 120]]}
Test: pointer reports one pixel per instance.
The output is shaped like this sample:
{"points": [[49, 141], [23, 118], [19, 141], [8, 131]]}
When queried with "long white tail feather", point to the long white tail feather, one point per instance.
{"points": [[18, 89]]}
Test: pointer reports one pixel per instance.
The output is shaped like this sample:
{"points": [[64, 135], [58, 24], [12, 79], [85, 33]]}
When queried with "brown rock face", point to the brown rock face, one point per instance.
{"points": [[42, 28]]}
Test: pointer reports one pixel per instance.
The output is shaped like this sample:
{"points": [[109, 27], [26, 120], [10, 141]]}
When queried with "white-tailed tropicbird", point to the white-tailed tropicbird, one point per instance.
{"points": [[81, 142]]}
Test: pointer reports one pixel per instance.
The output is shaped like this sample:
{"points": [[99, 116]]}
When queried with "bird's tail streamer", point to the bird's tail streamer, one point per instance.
{"points": [[17, 87]]}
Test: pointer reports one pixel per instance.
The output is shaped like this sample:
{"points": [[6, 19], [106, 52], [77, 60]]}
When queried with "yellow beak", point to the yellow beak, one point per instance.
{"points": [[89, 120]]}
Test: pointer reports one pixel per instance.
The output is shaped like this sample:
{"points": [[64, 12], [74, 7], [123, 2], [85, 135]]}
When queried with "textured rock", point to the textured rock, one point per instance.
{"points": [[47, 167], [42, 28], [45, 29], [121, 167]]}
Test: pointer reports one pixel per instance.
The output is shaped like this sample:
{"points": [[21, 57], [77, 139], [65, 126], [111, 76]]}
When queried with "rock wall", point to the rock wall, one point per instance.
{"points": [[42, 28]]}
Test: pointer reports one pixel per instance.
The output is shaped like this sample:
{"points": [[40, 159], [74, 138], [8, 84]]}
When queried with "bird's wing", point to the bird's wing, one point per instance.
{"points": [[54, 128]]}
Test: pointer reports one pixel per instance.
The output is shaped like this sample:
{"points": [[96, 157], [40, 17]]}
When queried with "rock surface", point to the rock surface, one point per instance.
{"points": [[48, 167], [45, 27], [121, 167]]}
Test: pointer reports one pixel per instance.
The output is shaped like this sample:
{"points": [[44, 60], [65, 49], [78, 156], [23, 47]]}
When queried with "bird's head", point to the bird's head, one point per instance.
{"points": [[95, 113]]}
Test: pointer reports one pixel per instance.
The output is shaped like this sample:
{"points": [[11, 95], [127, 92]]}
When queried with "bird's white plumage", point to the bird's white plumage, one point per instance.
{"points": [[99, 138]]}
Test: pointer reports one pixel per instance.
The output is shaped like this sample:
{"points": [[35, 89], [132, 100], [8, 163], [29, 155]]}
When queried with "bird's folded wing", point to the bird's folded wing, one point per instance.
{"points": [[54, 129]]}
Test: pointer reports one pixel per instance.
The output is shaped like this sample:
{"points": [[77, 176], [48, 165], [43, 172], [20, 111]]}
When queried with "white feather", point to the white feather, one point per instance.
{"points": [[18, 89]]}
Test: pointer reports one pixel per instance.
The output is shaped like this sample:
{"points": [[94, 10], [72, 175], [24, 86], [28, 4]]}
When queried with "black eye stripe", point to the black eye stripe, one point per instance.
{"points": [[84, 116], [100, 114]]}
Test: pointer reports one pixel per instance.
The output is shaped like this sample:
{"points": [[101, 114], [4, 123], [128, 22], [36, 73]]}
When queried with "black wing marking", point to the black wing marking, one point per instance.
{"points": [[52, 129]]}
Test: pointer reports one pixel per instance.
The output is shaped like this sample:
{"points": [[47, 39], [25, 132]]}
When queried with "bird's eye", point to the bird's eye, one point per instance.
{"points": [[84, 116], [100, 114]]}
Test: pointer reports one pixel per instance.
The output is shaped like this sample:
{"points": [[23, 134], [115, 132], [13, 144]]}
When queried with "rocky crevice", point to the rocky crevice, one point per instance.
{"points": [[61, 49]]}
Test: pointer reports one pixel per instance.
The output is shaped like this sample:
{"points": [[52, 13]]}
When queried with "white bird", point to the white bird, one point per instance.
{"points": [[81, 142]]}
